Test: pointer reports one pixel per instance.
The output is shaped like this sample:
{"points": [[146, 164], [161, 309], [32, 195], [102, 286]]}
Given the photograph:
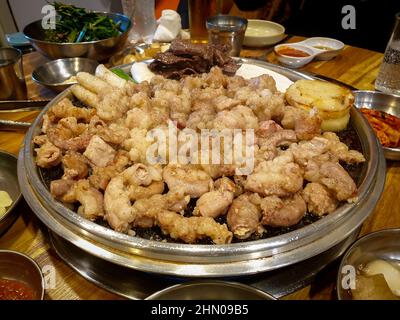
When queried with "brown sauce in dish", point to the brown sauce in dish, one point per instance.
{"points": [[292, 52]]}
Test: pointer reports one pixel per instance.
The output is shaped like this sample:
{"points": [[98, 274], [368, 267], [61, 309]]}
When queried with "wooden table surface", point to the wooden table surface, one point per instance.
{"points": [[354, 66]]}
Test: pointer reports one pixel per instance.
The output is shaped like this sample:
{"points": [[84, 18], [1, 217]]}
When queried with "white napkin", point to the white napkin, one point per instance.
{"points": [[169, 26]]}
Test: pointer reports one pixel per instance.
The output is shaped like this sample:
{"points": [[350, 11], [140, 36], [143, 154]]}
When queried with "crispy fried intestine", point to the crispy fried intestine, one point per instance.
{"points": [[103, 152]]}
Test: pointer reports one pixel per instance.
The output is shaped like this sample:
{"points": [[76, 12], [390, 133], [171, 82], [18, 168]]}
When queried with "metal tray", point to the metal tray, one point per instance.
{"points": [[141, 285], [207, 260]]}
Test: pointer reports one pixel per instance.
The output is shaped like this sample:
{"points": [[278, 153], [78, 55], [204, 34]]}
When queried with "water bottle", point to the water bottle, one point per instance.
{"points": [[144, 21], [388, 79]]}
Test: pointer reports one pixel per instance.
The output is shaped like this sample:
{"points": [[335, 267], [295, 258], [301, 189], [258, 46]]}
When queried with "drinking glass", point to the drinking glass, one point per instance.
{"points": [[199, 11], [388, 79], [224, 29], [12, 80]]}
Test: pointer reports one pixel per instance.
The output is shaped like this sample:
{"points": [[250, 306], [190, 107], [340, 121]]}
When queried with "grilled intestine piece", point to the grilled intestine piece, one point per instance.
{"points": [[318, 198], [282, 212], [239, 117], [65, 108], [341, 150], [244, 217], [70, 191], [306, 124], [329, 145], [123, 189], [85, 96], [216, 202], [155, 210], [47, 155], [334, 177], [108, 76], [269, 145], [280, 177], [99, 152], [101, 176], [75, 165], [68, 134], [191, 180], [192, 229]]}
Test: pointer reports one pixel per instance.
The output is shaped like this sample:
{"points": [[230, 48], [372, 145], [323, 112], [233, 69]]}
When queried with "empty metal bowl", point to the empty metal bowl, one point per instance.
{"points": [[17, 266], [9, 183], [210, 290], [382, 244], [53, 74], [98, 50], [389, 103]]}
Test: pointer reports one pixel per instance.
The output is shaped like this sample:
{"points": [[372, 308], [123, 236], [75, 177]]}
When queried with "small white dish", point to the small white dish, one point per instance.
{"points": [[261, 33], [328, 47], [292, 61], [318, 48]]}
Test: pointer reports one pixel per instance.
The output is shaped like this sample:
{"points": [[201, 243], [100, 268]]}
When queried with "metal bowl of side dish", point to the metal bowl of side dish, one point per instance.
{"points": [[384, 126], [20, 277], [98, 49], [210, 290], [10, 193], [370, 269]]}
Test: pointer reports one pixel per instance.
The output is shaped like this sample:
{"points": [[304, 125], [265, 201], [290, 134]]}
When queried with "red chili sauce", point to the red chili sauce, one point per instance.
{"points": [[292, 52], [15, 290]]}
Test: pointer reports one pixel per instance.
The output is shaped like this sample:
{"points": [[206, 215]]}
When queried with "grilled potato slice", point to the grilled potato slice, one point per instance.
{"points": [[332, 101]]}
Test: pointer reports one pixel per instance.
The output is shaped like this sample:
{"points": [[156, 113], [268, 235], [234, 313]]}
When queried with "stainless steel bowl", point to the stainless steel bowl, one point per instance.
{"points": [[382, 244], [20, 267], [53, 74], [210, 290], [389, 103], [9, 183], [207, 260], [98, 50]]}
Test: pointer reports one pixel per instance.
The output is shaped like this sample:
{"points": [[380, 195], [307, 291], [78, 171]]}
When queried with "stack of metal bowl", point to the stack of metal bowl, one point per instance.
{"points": [[187, 260]]}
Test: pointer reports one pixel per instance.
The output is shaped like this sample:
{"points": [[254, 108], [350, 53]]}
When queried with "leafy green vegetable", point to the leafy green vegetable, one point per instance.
{"points": [[122, 74], [75, 24]]}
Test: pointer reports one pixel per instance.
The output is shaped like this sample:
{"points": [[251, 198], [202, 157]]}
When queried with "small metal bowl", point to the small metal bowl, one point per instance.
{"points": [[99, 50], [9, 183], [383, 244], [210, 290], [53, 74], [386, 102], [17, 266]]}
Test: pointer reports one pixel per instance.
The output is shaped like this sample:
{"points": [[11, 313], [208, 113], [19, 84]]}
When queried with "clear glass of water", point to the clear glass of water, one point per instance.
{"points": [[388, 79]]}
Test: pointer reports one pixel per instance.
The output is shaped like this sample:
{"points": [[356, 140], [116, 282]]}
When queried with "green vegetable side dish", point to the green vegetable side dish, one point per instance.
{"points": [[122, 74], [75, 24]]}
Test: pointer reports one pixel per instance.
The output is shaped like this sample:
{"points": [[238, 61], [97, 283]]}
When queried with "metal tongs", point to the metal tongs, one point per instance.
{"points": [[19, 106]]}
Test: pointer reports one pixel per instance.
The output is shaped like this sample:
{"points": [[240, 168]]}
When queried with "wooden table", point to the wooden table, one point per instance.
{"points": [[354, 66]]}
